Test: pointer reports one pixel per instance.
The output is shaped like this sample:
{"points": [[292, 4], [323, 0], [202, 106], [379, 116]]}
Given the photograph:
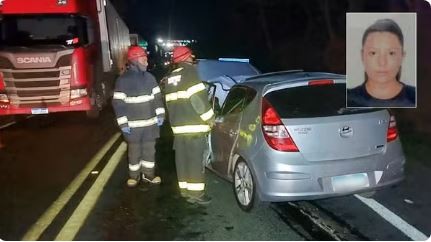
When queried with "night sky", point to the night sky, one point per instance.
{"points": [[274, 34]]}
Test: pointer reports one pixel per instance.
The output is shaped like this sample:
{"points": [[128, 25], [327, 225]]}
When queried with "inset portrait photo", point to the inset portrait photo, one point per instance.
{"points": [[381, 60]]}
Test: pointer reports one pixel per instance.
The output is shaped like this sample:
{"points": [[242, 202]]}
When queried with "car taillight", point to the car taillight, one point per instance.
{"points": [[392, 129], [274, 131], [320, 82]]}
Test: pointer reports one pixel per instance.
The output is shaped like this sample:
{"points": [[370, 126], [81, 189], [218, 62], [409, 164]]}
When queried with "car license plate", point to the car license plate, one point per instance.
{"points": [[350, 182], [39, 110]]}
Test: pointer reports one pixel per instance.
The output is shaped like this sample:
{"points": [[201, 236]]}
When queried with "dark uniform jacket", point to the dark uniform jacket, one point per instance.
{"points": [[137, 103], [187, 101]]}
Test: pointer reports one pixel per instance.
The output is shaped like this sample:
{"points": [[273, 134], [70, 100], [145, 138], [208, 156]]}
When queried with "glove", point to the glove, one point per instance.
{"points": [[160, 121], [126, 130]]}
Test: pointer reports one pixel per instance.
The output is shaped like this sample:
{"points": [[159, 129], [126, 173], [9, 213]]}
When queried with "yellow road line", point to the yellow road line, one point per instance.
{"points": [[72, 226], [48, 216]]}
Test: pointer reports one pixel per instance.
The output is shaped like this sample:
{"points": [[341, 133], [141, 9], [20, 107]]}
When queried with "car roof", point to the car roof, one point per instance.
{"points": [[210, 69], [260, 82]]}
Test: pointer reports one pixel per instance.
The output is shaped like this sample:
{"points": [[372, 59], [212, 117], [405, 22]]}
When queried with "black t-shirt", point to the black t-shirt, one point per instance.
{"points": [[359, 97]]}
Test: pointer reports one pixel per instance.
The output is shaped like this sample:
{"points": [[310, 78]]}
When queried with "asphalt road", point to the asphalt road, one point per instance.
{"points": [[43, 157], [63, 177]]}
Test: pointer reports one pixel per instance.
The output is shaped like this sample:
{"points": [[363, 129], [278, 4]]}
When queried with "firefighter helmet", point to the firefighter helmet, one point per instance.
{"points": [[135, 52], [181, 53]]}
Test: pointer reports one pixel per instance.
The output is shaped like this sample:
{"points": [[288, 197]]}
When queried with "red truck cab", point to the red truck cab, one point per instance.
{"points": [[58, 55]]}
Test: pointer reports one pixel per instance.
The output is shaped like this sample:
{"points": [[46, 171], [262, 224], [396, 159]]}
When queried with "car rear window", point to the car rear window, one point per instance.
{"points": [[312, 101]]}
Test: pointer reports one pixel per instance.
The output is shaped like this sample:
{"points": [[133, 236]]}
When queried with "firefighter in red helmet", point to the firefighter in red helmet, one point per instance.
{"points": [[140, 112], [191, 118]]}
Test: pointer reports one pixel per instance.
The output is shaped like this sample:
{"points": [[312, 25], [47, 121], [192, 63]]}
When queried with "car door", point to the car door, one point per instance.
{"points": [[226, 127]]}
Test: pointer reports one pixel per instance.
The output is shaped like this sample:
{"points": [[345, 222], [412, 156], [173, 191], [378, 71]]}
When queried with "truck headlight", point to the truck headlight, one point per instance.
{"points": [[77, 93], [4, 98]]}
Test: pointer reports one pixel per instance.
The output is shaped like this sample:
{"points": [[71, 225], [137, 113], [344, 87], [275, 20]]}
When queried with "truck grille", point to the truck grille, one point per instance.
{"points": [[38, 87], [29, 75]]}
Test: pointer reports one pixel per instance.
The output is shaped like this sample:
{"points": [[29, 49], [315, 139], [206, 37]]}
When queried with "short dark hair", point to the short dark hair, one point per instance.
{"points": [[384, 25]]}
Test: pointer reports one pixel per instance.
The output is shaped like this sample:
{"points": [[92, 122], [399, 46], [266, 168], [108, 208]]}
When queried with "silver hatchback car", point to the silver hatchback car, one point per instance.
{"points": [[287, 136]]}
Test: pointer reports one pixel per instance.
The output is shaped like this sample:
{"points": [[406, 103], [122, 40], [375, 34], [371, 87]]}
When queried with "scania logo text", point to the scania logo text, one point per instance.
{"points": [[30, 60]]}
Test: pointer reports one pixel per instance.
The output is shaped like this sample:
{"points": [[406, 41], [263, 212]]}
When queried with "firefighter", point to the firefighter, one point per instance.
{"points": [[191, 118], [139, 110]]}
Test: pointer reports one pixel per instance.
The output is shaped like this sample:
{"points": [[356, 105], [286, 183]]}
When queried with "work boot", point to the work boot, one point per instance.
{"points": [[202, 199], [154, 180], [131, 182]]}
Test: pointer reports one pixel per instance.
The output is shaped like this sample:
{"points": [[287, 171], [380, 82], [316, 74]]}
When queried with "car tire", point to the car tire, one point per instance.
{"points": [[244, 186]]}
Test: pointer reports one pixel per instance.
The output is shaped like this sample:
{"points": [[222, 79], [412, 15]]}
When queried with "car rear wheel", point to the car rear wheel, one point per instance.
{"points": [[244, 186]]}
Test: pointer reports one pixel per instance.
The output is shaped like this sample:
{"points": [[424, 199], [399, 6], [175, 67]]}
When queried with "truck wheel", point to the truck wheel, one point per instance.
{"points": [[97, 102]]}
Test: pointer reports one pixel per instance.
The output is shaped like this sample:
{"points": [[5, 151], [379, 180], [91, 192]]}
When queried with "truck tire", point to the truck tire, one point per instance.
{"points": [[96, 105]]}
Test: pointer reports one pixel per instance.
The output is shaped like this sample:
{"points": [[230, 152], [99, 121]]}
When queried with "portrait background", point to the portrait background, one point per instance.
{"points": [[356, 24]]}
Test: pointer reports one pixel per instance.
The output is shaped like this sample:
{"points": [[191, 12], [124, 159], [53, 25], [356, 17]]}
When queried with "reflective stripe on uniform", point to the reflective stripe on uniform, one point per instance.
{"points": [[178, 69], [160, 111], [185, 94], [207, 115], [182, 185], [176, 95], [122, 120], [156, 90], [134, 167], [119, 95], [191, 129], [139, 99], [195, 89], [142, 123], [195, 186], [147, 164]]}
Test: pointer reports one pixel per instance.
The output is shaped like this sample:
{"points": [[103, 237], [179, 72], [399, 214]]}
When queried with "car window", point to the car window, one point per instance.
{"points": [[312, 101], [234, 101], [251, 94]]}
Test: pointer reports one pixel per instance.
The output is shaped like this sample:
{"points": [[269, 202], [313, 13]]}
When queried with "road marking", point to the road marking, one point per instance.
{"points": [[72, 226], [13, 122], [48, 216], [7, 125], [392, 218]]}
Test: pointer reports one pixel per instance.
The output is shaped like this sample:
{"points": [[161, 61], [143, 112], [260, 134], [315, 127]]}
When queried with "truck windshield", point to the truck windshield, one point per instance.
{"points": [[31, 30]]}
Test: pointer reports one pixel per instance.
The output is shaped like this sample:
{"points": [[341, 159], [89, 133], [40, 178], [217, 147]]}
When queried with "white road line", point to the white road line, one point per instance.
{"points": [[392, 218], [48, 216], [13, 122], [7, 125], [72, 226]]}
